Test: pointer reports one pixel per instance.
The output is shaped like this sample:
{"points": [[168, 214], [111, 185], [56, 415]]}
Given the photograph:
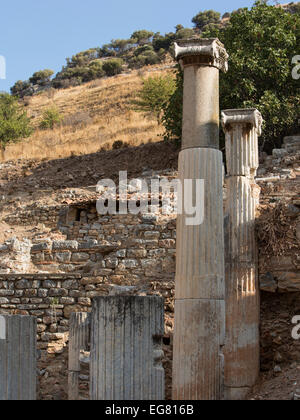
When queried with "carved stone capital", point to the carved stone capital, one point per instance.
{"points": [[250, 116], [202, 52]]}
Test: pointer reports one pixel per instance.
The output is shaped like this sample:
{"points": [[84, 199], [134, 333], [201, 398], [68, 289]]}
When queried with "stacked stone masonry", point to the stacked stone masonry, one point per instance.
{"points": [[53, 297]]}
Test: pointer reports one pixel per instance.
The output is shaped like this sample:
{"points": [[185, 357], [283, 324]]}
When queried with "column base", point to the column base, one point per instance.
{"points": [[198, 365], [236, 394]]}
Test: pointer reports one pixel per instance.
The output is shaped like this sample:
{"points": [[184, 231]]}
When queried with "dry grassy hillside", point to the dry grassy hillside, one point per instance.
{"points": [[95, 115]]}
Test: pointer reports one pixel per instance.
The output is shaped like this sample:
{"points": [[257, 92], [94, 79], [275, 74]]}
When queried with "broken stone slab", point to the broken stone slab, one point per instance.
{"points": [[18, 356], [65, 245], [126, 348], [268, 179], [43, 246], [102, 248], [79, 338]]}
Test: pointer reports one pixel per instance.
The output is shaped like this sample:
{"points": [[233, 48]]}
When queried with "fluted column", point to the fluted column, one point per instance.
{"points": [[126, 348], [242, 127], [200, 286], [18, 358]]}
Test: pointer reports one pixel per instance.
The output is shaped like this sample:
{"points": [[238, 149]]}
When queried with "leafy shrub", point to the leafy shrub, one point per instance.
{"points": [[148, 58], [83, 58], [119, 144], [163, 42], [154, 95], [113, 67], [41, 77], [20, 88], [14, 123], [51, 117], [204, 18], [185, 33], [143, 49], [141, 37]]}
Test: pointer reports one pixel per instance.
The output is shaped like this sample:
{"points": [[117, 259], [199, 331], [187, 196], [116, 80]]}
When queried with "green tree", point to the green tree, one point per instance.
{"points": [[83, 58], [141, 37], [120, 45], [14, 123], [96, 69], [155, 93], [205, 18], [19, 88], [261, 43], [51, 117], [172, 110], [163, 42], [41, 77], [185, 33], [113, 67]]}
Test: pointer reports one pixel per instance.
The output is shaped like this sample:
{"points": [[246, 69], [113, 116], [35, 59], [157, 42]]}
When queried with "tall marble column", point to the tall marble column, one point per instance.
{"points": [[242, 127], [200, 287]]}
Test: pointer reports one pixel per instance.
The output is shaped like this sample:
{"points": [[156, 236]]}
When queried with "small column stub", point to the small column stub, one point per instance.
{"points": [[79, 338]]}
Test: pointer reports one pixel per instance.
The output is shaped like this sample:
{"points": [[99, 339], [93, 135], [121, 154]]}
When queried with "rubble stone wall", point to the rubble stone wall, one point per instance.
{"points": [[53, 297]]}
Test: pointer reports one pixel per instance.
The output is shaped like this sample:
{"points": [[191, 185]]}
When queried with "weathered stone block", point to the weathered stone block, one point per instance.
{"points": [[80, 257], [23, 284], [136, 253], [62, 257], [58, 292], [65, 245], [43, 246], [70, 284], [126, 348], [130, 263]]}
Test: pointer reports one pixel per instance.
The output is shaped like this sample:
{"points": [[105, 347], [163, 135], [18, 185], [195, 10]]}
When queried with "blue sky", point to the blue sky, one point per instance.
{"points": [[39, 34]]}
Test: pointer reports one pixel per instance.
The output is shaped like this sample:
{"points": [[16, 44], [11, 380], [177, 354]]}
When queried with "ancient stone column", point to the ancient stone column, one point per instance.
{"points": [[200, 286], [242, 127], [17, 358], [78, 340], [126, 348]]}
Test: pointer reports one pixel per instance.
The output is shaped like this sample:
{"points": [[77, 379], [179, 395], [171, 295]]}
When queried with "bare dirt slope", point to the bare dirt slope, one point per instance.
{"points": [[95, 115]]}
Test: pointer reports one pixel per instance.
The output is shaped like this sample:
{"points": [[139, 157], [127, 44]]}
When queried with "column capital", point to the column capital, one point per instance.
{"points": [[242, 128], [201, 52], [249, 116]]}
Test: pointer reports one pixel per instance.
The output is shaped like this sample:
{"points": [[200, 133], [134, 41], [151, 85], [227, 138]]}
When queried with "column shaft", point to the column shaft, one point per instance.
{"points": [[201, 107], [242, 289], [198, 366]]}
